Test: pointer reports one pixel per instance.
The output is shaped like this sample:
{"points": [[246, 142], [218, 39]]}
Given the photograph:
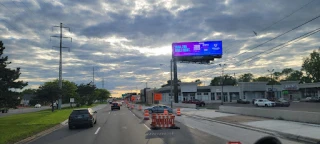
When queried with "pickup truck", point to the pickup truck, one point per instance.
{"points": [[195, 101]]}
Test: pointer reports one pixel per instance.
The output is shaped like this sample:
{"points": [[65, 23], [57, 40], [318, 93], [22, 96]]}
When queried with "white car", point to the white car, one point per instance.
{"points": [[37, 106], [264, 102]]}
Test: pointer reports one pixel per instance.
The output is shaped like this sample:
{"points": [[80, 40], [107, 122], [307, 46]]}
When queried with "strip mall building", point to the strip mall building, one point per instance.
{"points": [[289, 90]]}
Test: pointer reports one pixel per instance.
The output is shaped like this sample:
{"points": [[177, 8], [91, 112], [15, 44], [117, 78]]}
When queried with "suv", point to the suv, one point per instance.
{"points": [[82, 117], [115, 106]]}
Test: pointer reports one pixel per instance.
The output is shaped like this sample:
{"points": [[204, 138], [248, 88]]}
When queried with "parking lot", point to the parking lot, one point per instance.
{"points": [[294, 106]]}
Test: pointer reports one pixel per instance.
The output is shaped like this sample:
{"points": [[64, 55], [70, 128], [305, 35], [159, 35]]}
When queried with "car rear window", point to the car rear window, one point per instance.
{"points": [[115, 104], [78, 112]]}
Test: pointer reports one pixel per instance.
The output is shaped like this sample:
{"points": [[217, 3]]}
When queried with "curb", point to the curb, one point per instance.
{"points": [[262, 130], [40, 134]]}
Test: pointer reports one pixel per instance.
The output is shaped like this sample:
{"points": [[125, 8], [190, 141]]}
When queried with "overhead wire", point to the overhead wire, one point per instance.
{"points": [[287, 16]]}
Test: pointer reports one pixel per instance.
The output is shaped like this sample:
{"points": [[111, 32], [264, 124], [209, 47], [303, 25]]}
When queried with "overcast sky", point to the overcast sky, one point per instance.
{"points": [[128, 42]]}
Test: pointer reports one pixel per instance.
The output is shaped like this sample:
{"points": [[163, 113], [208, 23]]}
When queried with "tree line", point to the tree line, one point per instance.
{"points": [[82, 93], [309, 73]]}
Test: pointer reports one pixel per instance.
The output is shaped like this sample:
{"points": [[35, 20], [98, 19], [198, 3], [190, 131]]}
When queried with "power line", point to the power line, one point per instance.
{"points": [[280, 35], [283, 45], [286, 16], [278, 47]]}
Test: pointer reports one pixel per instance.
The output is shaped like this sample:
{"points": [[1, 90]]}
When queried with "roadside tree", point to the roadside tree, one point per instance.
{"points": [[9, 82]]}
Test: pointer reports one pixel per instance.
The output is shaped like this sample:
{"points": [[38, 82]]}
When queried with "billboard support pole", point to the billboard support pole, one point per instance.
{"points": [[175, 80], [171, 83]]}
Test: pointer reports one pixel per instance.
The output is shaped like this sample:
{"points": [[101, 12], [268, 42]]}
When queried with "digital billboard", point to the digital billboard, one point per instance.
{"points": [[206, 48]]}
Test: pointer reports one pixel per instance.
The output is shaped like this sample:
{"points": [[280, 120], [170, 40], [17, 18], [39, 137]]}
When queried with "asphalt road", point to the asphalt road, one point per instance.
{"points": [[124, 127], [294, 106]]}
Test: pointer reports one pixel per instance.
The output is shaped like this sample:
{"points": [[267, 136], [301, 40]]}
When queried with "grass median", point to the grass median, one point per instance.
{"points": [[17, 127]]}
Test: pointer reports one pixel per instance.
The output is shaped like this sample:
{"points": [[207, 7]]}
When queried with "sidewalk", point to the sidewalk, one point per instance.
{"points": [[293, 130]]}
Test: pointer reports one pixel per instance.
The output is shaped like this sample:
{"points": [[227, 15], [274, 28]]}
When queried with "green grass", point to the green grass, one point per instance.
{"points": [[17, 127]]}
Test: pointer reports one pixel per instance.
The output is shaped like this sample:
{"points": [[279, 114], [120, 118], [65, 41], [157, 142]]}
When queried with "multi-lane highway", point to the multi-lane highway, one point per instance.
{"points": [[124, 127]]}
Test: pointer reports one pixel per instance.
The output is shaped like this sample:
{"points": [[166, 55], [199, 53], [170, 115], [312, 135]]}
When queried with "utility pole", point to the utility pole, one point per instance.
{"points": [[271, 81], [93, 75], [222, 81], [60, 61], [103, 83]]}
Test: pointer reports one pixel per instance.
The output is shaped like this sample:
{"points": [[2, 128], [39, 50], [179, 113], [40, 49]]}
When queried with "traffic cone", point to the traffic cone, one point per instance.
{"points": [[146, 114], [178, 112], [140, 107], [165, 112]]}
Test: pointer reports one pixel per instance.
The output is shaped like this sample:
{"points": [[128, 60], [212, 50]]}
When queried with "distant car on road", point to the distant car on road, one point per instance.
{"points": [[282, 103], [84, 116], [195, 101], [159, 109], [37, 106], [264, 102], [115, 106], [110, 102], [243, 101]]}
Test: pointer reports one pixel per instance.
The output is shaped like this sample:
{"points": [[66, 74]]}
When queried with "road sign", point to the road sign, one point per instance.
{"points": [[157, 96], [72, 100], [133, 98]]}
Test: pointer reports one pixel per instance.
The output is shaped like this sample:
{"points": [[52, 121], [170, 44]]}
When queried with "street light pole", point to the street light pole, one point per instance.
{"points": [[222, 81], [171, 83]]}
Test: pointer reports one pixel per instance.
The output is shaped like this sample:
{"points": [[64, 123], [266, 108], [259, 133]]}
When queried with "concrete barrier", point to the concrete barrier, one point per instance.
{"points": [[298, 116], [181, 105]]}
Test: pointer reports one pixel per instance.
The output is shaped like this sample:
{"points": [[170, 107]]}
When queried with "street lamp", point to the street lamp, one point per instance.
{"points": [[271, 73], [222, 81]]}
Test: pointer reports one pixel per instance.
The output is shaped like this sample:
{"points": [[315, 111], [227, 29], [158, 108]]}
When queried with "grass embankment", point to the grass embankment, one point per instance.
{"points": [[17, 127]]}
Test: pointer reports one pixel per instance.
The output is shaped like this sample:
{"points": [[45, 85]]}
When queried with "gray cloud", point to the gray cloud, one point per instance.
{"points": [[122, 40]]}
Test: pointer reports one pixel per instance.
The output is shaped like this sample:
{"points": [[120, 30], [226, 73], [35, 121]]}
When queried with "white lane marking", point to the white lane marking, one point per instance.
{"points": [[134, 115], [146, 126], [97, 130], [109, 112]]}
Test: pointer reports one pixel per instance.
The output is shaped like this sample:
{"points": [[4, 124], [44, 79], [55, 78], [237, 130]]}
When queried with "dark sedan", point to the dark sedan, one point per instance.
{"points": [[82, 117], [243, 101], [282, 103]]}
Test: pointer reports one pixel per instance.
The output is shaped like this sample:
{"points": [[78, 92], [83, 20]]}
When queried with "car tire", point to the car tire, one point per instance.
{"points": [[265, 105], [91, 124], [95, 121]]}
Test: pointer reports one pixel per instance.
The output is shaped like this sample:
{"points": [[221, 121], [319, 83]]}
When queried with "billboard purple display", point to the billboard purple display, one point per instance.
{"points": [[206, 48]]}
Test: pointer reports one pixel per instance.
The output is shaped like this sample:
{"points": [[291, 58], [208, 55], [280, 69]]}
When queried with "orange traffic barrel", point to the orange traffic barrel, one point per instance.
{"points": [[178, 112], [165, 112], [146, 114]]}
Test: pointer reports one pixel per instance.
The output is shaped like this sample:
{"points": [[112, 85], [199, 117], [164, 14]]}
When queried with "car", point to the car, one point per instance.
{"points": [[37, 106], [243, 101], [282, 103], [80, 117], [54, 104], [115, 106], [195, 101], [110, 102], [264, 102], [159, 109]]}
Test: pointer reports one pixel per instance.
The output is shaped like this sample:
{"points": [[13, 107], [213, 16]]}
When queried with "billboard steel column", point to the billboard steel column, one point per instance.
{"points": [[175, 80]]}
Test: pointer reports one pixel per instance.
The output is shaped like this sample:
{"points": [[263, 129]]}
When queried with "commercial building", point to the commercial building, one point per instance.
{"points": [[290, 90]]}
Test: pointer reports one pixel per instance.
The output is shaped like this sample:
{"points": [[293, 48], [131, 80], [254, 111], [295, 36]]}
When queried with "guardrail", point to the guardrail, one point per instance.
{"points": [[298, 116]]}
